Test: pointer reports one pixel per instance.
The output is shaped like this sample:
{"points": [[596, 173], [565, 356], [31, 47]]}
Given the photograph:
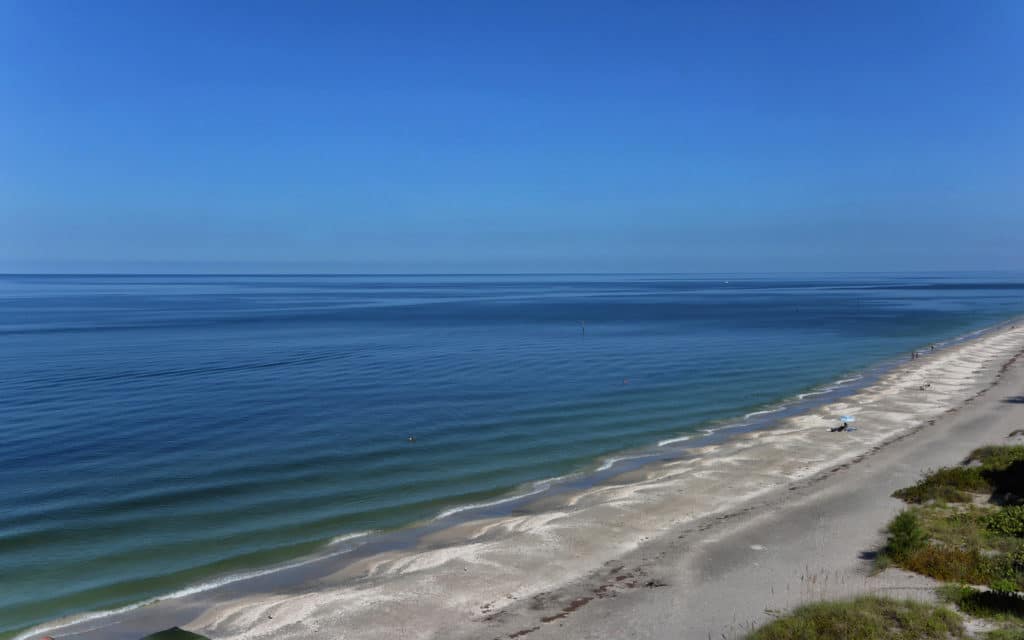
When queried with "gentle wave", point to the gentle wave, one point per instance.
{"points": [[31, 634], [674, 440], [305, 434], [539, 487], [731, 425], [829, 388], [611, 462], [351, 536], [820, 392], [764, 412]]}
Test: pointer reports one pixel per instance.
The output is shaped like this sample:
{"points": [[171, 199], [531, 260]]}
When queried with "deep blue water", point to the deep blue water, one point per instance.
{"points": [[158, 431]]}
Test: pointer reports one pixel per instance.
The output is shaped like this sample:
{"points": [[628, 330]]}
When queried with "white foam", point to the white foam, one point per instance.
{"points": [[480, 505], [674, 440], [731, 425], [31, 634], [351, 536], [845, 380], [764, 412], [815, 393], [610, 462], [547, 482]]}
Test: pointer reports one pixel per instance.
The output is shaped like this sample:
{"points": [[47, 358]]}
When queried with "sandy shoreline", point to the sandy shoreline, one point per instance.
{"points": [[682, 549]]}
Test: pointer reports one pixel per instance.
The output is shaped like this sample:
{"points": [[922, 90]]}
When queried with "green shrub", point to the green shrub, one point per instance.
{"points": [[1004, 585], [905, 537], [865, 618], [999, 569], [1008, 521], [997, 458], [949, 564], [953, 564], [949, 484], [1016, 558]]}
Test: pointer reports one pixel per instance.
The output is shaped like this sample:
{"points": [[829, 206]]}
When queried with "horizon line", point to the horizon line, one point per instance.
{"points": [[492, 273]]}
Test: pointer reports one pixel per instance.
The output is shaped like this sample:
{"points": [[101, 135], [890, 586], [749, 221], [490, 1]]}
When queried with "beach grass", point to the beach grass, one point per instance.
{"points": [[864, 618]]}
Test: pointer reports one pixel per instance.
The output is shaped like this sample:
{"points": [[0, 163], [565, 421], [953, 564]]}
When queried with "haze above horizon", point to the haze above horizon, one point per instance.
{"points": [[577, 137]]}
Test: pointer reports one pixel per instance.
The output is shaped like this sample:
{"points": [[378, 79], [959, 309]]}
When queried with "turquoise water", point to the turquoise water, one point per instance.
{"points": [[160, 431]]}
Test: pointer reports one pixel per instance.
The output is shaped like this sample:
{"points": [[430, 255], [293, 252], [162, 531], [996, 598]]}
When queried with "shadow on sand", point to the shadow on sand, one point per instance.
{"points": [[175, 633]]}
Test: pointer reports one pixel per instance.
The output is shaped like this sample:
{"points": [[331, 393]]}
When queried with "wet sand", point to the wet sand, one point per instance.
{"points": [[705, 546]]}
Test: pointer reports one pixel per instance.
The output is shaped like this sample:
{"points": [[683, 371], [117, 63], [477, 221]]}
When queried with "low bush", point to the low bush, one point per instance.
{"points": [[865, 618], [905, 537], [996, 468], [1008, 521], [1002, 467], [949, 484], [949, 564], [1000, 572], [996, 457]]}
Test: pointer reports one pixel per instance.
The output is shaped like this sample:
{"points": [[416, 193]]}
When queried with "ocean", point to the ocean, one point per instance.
{"points": [[161, 432]]}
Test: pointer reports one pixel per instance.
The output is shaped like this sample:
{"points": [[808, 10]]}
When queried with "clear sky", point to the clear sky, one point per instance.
{"points": [[511, 136]]}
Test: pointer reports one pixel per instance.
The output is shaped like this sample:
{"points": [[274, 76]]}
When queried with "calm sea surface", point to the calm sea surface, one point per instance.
{"points": [[157, 432]]}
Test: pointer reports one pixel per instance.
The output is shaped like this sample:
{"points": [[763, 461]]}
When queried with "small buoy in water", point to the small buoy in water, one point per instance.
{"points": [[411, 438]]}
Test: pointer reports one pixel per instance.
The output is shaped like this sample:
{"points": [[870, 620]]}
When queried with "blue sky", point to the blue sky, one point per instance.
{"points": [[511, 137]]}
